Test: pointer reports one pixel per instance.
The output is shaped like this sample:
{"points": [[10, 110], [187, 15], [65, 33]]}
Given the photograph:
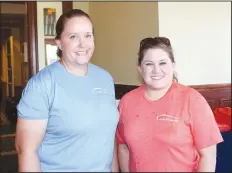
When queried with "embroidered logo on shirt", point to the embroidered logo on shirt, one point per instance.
{"points": [[101, 91], [165, 117]]}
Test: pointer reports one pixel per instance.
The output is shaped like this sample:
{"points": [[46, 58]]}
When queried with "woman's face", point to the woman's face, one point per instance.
{"points": [[157, 69], [77, 41]]}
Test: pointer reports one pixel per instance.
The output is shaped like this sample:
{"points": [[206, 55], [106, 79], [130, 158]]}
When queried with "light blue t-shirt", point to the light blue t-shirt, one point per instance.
{"points": [[82, 118]]}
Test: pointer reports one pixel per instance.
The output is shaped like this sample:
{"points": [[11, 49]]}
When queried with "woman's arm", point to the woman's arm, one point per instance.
{"points": [[123, 157], [29, 134], [205, 132], [115, 167], [207, 162]]}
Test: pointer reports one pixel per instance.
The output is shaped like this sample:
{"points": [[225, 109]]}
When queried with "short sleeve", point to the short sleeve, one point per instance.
{"points": [[120, 128], [204, 127], [34, 103]]}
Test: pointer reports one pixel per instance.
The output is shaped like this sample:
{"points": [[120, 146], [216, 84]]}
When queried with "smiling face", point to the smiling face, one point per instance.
{"points": [[157, 69], [77, 41]]}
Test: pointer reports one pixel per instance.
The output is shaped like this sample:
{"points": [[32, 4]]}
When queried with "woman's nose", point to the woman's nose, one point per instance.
{"points": [[156, 69], [81, 42]]}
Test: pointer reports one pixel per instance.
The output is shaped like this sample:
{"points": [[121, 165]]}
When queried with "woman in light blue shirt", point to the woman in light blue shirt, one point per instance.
{"points": [[67, 116]]}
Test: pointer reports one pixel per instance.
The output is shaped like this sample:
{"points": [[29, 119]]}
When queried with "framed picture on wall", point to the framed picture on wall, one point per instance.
{"points": [[49, 21], [50, 51]]}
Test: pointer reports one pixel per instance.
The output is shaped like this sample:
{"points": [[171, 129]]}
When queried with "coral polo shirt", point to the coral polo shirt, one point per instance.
{"points": [[164, 135]]}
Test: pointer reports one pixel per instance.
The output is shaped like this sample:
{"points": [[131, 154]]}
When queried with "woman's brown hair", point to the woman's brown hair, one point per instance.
{"points": [[62, 20], [156, 43]]}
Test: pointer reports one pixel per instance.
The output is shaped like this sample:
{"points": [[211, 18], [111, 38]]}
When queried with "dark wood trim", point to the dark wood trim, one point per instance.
{"points": [[211, 86], [66, 6], [217, 95], [122, 89], [49, 41], [32, 38], [13, 2]]}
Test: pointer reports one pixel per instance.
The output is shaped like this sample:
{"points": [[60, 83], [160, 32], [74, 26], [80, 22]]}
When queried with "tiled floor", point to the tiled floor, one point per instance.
{"points": [[8, 156]]}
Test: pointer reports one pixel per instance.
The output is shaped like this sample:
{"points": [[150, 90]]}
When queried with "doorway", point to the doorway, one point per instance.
{"points": [[18, 54]]}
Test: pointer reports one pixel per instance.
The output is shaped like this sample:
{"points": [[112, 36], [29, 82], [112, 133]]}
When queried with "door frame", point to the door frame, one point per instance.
{"points": [[31, 18], [66, 6], [32, 38]]}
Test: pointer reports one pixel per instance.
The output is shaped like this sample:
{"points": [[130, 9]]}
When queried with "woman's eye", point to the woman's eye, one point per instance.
{"points": [[88, 36], [163, 63], [72, 37], [148, 64]]}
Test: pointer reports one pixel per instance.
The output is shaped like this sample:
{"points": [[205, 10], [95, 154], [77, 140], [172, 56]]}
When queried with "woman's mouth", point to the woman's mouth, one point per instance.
{"points": [[156, 77], [82, 53]]}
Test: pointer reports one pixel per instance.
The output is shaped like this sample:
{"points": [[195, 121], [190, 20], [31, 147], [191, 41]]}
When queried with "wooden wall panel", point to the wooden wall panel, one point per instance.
{"points": [[67, 5], [32, 38], [218, 95]]}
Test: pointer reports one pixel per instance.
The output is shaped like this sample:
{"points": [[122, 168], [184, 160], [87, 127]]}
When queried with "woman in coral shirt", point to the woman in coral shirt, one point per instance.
{"points": [[165, 126]]}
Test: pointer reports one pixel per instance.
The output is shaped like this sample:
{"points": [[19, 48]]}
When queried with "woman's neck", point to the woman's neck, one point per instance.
{"points": [[75, 69], [155, 94]]}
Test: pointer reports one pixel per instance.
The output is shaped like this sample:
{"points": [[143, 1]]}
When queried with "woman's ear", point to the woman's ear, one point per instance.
{"points": [[58, 43], [139, 68], [174, 72], [174, 66]]}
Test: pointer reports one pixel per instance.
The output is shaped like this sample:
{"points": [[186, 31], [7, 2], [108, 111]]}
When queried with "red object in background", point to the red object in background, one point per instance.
{"points": [[223, 118], [223, 127]]}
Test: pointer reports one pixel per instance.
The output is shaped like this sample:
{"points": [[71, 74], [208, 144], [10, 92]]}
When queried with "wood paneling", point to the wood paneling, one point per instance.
{"points": [[66, 6], [218, 95], [13, 2], [32, 37]]}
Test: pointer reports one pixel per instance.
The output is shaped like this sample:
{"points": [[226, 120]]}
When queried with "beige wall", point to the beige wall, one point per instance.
{"points": [[81, 5], [119, 27], [13, 8], [201, 36], [199, 31]]}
